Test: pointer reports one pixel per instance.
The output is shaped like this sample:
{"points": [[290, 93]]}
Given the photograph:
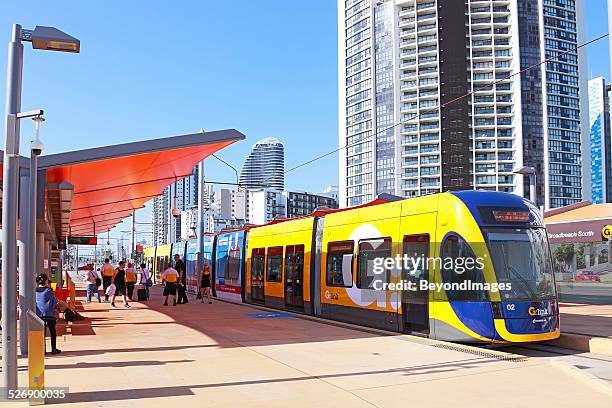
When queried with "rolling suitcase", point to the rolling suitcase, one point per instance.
{"points": [[141, 292]]}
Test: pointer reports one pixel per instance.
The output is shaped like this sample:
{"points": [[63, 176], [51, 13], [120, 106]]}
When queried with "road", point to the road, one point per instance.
{"points": [[591, 293]]}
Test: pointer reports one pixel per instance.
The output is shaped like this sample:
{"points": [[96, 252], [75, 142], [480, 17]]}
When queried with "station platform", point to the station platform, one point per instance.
{"points": [[229, 355]]}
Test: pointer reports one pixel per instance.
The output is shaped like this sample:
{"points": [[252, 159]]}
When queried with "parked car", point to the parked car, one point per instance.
{"points": [[588, 276]]}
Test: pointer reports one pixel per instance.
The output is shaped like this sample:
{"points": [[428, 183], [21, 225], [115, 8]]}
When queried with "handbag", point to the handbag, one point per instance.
{"points": [[110, 291], [70, 316], [149, 282], [98, 282]]}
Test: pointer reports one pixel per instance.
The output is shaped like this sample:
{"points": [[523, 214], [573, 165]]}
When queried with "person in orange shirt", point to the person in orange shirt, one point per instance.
{"points": [[130, 279], [107, 271], [170, 278]]}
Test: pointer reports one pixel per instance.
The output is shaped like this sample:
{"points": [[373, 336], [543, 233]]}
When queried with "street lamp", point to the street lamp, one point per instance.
{"points": [[529, 171], [45, 38]]}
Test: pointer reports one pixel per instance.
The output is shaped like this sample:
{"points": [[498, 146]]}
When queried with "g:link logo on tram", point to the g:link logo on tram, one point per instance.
{"points": [[536, 312]]}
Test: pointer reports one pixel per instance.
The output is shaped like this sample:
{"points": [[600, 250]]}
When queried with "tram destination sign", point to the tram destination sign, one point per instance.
{"points": [[83, 240]]}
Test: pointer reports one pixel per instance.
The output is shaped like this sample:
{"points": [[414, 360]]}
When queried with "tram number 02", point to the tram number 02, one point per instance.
{"points": [[511, 307]]}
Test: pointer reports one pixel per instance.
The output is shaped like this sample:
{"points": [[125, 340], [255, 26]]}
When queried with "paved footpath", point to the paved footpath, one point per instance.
{"points": [[201, 355]]}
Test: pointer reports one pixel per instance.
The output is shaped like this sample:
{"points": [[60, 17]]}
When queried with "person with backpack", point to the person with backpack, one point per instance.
{"points": [[93, 283], [107, 272], [118, 280], [130, 280], [46, 303], [145, 277]]}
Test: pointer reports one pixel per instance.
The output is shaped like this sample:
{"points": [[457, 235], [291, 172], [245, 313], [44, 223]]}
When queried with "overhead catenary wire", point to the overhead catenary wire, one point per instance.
{"points": [[444, 105]]}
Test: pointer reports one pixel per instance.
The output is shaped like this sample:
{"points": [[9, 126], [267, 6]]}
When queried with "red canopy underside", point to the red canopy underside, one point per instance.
{"points": [[107, 191]]}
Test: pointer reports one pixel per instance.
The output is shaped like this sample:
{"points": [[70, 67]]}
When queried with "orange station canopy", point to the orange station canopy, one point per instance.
{"points": [[109, 183]]}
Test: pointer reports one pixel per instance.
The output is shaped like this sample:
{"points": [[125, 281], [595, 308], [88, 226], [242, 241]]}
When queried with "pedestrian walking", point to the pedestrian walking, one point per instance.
{"points": [[145, 277], [119, 281], [130, 280], [169, 279], [46, 303], [179, 265], [205, 283], [93, 283], [107, 272]]}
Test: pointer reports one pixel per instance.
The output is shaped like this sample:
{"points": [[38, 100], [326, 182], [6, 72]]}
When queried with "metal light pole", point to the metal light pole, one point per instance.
{"points": [[9, 212], [46, 38], [133, 236], [529, 171]]}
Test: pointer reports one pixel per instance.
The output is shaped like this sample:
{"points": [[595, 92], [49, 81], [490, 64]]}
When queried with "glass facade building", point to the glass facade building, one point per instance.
{"points": [[265, 165], [429, 102], [600, 141]]}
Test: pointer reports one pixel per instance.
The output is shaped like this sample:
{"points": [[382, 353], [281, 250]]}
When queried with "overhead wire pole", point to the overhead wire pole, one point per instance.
{"points": [[201, 213], [246, 198], [133, 235]]}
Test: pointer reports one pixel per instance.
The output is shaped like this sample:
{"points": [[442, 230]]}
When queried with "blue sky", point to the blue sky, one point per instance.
{"points": [[150, 69], [155, 68]]}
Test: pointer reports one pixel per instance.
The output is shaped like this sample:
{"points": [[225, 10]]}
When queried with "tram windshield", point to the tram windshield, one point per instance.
{"points": [[521, 257]]}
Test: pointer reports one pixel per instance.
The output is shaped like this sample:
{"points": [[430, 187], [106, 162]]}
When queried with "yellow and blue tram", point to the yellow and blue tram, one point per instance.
{"points": [[322, 265]]}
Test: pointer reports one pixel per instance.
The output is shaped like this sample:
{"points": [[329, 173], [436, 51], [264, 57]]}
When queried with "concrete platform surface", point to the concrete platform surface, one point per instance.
{"points": [[226, 355]]}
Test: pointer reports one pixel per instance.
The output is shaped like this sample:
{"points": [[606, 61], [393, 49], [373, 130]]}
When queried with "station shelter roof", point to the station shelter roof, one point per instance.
{"points": [[90, 191]]}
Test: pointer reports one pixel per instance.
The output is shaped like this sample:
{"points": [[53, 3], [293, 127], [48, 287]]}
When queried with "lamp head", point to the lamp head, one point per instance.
{"points": [[525, 170], [52, 39]]}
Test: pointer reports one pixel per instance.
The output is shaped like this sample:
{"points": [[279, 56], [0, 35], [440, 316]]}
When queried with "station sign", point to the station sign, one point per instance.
{"points": [[580, 231], [83, 240]]}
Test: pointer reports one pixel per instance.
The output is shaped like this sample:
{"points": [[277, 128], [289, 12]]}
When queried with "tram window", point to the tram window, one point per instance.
{"points": [[294, 262], [274, 270], [416, 248], [257, 266], [339, 271], [233, 264], [221, 265], [456, 252], [369, 251]]}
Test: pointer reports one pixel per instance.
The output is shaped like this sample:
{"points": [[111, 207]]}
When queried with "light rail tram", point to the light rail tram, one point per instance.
{"points": [[322, 265]]}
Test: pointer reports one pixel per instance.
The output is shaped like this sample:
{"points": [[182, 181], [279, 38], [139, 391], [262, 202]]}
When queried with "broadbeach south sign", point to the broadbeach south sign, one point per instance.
{"points": [[581, 231]]}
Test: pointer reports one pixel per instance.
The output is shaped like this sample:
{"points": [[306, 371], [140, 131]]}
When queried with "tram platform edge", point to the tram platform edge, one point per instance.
{"points": [[595, 381], [585, 343]]}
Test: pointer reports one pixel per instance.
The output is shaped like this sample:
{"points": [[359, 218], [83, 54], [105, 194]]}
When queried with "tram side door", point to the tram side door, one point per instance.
{"points": [[294, 276], [257, 275], [416, 234]]}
